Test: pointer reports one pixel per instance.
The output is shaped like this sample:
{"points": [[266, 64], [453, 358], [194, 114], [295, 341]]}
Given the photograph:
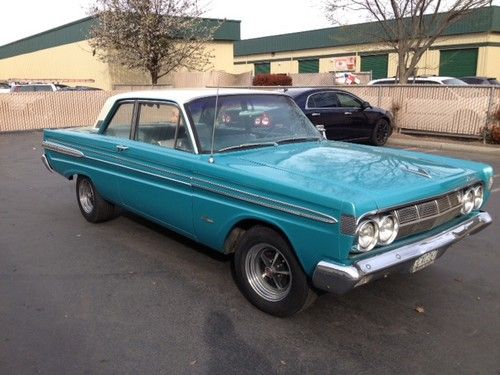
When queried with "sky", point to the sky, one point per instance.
{"points": [[258, 17]]}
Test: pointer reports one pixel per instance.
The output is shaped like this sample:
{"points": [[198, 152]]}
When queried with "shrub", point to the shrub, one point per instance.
{"points": [[495, 126], [272, 80]]}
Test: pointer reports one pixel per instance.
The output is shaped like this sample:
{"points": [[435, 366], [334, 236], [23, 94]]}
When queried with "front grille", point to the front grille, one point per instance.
{"points": [[427, 215]]}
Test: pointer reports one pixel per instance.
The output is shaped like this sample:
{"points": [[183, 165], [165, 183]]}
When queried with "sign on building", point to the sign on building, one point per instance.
{"points": [[345, 63]]}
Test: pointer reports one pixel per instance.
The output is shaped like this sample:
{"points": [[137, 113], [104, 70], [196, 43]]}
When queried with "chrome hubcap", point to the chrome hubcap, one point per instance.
{"points": [[268, 272], [86, 196]]}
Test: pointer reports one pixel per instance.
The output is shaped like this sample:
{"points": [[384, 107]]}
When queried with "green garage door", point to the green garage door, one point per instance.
{"points": [[262, 68], [377, 64], [309, 66], [458, 62]]}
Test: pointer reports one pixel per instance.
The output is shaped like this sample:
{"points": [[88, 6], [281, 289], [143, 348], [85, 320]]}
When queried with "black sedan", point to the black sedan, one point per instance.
{"points": [[344, 116]]}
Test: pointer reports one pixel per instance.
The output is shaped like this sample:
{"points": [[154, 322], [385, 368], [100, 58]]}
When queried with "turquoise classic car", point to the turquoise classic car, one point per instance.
{"points": [[245, 173]]}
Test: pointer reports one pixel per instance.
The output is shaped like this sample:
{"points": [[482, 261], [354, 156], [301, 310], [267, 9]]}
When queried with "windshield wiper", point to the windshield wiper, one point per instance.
{"points": [[297, 139], [244, 146]]}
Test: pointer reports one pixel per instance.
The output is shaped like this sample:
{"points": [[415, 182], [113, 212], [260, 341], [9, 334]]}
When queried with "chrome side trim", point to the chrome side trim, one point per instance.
{"points": [[142, 171], [340, 278], [56, 147], [204, 185], [120, 163], [263, 201], [47, 164]]}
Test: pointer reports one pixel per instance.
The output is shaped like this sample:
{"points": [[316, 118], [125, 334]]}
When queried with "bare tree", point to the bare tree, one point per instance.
{"points": [[408, 27], [154, 36]]}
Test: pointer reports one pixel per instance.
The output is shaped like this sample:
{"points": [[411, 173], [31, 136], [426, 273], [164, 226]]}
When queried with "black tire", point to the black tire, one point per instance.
{"points": [[92, 205], [381, 133], [264, 284]]}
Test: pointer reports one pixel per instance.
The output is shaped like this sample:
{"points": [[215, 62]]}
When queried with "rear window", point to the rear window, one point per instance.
{"points": [[32, 88], [454, 81]]}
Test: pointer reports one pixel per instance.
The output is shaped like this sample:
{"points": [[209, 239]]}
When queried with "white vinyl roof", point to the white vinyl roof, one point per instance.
{"points": [[180, 96]]}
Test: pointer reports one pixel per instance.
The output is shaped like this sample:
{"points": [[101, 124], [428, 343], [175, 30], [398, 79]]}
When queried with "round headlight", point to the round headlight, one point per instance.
{"points": [[367, 235], [388, 227], [478, 196], [468, 201]]}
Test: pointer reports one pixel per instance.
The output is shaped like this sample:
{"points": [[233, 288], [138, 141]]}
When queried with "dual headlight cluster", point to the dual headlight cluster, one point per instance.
{"points": [[380, 230], [472, 199], [383, 229]]}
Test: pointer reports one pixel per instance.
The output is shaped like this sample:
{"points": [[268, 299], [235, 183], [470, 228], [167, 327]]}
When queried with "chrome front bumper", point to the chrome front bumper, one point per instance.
{"points": [[338, 278]]}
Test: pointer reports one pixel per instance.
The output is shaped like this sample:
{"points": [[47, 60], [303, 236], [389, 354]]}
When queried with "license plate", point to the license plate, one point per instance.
{"points": [[424, 261]]}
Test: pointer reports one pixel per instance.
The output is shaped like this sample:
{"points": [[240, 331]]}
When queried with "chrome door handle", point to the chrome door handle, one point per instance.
{"points": [[347, 113], [121, 148], [315, 114]]}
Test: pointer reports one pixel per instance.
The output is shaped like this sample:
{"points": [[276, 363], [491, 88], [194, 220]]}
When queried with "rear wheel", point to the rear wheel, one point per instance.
{"points": [[269, 274], [92, 205], [381, 133]]}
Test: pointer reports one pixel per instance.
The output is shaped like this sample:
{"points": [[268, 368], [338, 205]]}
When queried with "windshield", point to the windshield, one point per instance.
{"points": [[248, 121]]}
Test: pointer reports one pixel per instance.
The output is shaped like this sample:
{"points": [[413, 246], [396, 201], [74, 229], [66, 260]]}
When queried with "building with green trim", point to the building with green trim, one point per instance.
{"points": [[64, 55], [467, 48]]}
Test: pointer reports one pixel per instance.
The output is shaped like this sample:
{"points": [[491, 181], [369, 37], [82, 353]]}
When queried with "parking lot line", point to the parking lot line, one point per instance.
{"points": [[495, 190]]}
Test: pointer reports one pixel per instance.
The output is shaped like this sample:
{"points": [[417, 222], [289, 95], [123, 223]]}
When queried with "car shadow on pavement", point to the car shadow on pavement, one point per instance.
{"points": [[228, 351]]}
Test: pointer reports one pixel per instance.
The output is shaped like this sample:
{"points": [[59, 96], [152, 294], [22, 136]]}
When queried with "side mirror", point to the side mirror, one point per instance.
{"points": [[321, 129], [365, 105]]}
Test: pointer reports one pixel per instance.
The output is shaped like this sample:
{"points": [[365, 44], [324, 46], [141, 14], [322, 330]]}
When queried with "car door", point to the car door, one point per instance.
{"points": [[102, 149], [156, 166], [322, 108], [357, 122]]}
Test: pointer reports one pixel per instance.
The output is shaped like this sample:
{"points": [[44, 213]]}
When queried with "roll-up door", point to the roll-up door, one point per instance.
{"points": [[377, 64], [309, 66], [262, 68], [458, 62]]}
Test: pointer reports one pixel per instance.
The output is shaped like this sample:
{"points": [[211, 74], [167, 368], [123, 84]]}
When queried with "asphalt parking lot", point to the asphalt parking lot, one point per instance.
{"points": [[127, 296]]}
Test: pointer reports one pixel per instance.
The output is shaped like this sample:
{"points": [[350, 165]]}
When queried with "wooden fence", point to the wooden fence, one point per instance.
{"points": [[451, 110]]}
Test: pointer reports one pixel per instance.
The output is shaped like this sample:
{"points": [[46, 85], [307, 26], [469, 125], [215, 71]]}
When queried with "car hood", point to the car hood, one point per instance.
{"points": [[363, 175]]}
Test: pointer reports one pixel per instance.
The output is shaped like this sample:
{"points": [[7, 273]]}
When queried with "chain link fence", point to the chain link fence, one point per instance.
{"points": [[446, 110]]}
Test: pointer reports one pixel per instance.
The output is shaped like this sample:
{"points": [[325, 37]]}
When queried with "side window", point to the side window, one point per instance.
{"points": [[162, 124], [43, 88], [349, 101], [119, 125], [322, 100]]}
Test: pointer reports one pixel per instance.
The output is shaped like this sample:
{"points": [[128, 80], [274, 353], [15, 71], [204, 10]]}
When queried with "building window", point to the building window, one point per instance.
{"points": [[309, 66]]}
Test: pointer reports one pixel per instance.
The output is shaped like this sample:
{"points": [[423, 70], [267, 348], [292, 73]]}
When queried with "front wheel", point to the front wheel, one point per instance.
{"points": [[269, 274], [381, 133], [92, 205]]}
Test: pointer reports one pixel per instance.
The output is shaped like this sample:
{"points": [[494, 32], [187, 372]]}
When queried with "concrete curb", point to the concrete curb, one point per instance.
{"points": [[436, 145]]}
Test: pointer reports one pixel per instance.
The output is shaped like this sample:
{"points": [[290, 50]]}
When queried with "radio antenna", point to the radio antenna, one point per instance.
{"points": [[211, 159]]}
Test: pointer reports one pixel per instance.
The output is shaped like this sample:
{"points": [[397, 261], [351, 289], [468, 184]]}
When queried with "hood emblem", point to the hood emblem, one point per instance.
{"points": [[418, 171]]}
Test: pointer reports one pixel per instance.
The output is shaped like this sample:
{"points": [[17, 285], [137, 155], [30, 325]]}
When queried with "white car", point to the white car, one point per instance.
{"points": [[4, 88], [420, 81]]}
